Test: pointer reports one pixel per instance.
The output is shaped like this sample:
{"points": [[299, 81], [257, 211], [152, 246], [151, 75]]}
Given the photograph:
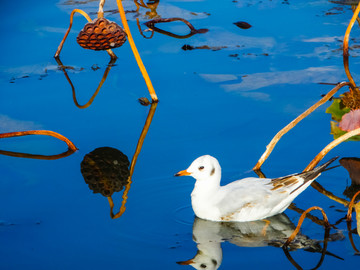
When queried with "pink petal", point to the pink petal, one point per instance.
{"points": [[350, 121]]}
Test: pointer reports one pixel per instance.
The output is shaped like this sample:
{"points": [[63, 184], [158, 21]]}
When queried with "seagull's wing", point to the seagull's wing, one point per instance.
{"points": [[258, 197], [248, 194]]}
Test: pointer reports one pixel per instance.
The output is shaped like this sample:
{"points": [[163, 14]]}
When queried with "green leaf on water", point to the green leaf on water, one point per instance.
{"points": [[337, 110]]}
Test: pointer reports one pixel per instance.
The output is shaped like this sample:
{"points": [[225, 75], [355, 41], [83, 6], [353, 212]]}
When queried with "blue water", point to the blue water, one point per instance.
{"points": [[227, 101]]}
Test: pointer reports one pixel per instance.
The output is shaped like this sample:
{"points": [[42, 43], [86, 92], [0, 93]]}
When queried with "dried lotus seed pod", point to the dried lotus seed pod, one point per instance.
{"points": [[101, 34]]}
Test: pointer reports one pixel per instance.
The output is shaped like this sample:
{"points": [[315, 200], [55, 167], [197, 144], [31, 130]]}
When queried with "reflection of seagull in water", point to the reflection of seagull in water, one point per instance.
{"points": [[208, 235], [243, 200]]}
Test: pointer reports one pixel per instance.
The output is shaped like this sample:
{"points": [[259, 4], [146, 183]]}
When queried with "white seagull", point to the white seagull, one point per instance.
{"points": [[247, 199]]}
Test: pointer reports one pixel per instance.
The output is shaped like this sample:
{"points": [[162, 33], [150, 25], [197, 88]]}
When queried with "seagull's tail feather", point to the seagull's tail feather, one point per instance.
{"points": [[314, 173], [308, 176]]}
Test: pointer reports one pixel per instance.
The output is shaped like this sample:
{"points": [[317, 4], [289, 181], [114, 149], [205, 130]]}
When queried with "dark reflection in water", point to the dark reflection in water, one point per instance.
{"points": [[106, 72], [352, 165], [323, 253], [273, 231], [105, 170], [151, 24], [35, 156]]}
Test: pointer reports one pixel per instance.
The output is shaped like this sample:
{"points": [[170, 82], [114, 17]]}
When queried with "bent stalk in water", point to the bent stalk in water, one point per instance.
{"points": [[277, 137]]}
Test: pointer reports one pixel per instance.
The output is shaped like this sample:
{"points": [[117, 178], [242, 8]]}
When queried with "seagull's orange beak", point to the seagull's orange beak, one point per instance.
{"points": [[182, 173], [185, 262]]}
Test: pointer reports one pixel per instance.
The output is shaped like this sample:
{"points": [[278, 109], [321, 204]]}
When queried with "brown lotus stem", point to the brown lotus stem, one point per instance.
{"points": [[346, 46], [136, 53], [321, 155], [112, 61], [259, 173], [101, 9], [313, 218], [133, 162], [141, 31], [351, 205], [292, 124], [353, 7], [302, 217], [70, 145], [141, 4], [330, 146]]}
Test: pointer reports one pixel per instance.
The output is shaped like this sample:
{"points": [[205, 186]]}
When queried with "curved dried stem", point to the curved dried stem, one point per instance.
{"points": [[302, 217], [351, 205], [353, 7], [348, 221], [68, 31], [293, 123], [111, 63], [313, 218], [346, 46], [330, 146], [133, 163], [321, 155], [141, 31], [136, 53], [70, 145]]}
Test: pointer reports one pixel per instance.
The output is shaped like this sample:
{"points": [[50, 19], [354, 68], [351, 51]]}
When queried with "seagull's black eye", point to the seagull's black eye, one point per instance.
{"points": [[201, 168], [203, 265]]}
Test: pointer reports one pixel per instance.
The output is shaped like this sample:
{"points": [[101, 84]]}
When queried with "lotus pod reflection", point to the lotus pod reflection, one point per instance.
{"points": [[105, 170], [101, 34]]}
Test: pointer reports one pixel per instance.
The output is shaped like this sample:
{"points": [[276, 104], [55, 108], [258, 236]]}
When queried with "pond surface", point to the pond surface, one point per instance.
{"points": [[226, 95]]}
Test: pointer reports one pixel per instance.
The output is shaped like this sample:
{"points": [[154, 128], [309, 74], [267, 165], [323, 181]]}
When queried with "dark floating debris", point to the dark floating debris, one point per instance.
{"points": [[95, 67], [144, 101], [242, 25], [188, 47], [105, 170]]}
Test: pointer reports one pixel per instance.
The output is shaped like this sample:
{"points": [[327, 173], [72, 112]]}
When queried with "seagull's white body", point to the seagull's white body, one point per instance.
{"points": [[247, 199]]}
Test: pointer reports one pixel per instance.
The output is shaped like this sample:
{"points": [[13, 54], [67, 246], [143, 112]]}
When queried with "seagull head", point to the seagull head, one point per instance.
{"points": [[203, 168]]}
